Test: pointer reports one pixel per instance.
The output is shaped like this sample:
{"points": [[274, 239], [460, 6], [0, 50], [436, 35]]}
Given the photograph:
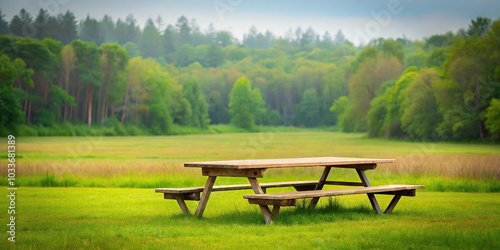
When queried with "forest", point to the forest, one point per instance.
{"points": [[63, 76]]}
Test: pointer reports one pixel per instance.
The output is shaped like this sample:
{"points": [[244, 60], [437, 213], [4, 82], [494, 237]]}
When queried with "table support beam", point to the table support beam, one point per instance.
{"points": [[393, 204], [266, 212], [371, 197], [204, 197], [320, 186]]}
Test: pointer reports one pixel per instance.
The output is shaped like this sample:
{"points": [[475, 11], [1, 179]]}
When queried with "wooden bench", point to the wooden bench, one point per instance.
{"points": [[193, 193], [290, 198]]}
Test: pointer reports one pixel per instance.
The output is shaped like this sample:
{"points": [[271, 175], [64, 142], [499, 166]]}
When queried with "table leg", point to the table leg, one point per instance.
{"points": [[204, 197], [321, 184], [371, 197], [266, 212]]}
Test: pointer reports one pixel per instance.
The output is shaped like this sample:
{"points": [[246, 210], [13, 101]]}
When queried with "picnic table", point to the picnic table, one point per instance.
{"points": [[254, 169]]}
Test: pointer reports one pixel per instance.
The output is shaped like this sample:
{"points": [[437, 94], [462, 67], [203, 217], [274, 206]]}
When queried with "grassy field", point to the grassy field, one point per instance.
{"points": [[97, 193], [108, 218], [149, 162]]}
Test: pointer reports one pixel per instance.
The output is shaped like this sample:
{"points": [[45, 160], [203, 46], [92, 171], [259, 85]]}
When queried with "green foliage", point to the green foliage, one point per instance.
{"points": [[376, 116], [215, 56], [394, 100], [443, 40], [338, 107], [421, 114], [199, 111], [493, 117], [479, 27], [310, 108], [87, 63], [437, 57], [151, 41], [157, 89], [132, 49], [103, 77], [450, 102], [11, 115], [417, 59], [469, 67], [390, 47], [364, 85], [244, 103]]}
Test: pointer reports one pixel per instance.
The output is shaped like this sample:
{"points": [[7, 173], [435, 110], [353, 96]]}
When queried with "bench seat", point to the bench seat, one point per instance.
{"points": [[335, 192], [290, 198]]}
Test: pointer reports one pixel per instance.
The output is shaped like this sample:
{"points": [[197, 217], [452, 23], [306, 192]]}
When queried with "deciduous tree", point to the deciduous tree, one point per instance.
{"points": [[244, 104], [421, 114]]}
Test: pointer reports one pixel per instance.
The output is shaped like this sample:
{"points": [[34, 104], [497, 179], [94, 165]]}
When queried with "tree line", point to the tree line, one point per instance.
{"points": [[107, 73]]}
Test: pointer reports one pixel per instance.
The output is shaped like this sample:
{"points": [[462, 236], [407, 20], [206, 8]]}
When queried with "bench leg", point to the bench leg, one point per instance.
{"points": [[374, 203], [204, 197], [371, 197], [182, 204], [276, 210], [268, 216], [320, 185], [393, 204]]}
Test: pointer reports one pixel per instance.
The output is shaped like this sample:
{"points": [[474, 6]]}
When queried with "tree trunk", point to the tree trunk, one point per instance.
{"points": [[66, 88], [124, 107], [478, 105], [78, 102], [27, 106], [89, 104], [104, 105]]}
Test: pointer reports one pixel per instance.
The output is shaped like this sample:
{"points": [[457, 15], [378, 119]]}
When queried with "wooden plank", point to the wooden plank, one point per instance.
{"points": [[179, 190], [306, 184], [188, 196], [344, 183], [259, 173], [333, 192], [204, 197], [342, 162], [267, 202], [402, 193]]}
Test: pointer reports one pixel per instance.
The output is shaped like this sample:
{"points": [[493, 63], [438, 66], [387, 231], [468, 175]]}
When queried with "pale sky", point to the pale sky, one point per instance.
{"points": [[359, 20]]}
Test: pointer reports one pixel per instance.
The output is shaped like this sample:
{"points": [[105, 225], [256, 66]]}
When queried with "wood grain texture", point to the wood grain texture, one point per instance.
{"points": [[189, 190], [342, 162], [205, 196], [258, 173], [335, 192]]}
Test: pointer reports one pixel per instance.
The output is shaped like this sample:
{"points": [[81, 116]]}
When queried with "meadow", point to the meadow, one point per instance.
{"points": [[98, 193]]}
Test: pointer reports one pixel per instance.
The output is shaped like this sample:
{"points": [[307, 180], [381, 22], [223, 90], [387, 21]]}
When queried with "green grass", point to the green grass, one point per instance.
{"points": [[108, 201], [97, 218]]}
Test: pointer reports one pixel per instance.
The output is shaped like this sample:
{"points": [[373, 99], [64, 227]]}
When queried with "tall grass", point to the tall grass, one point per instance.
{"points": [[158, 161]]}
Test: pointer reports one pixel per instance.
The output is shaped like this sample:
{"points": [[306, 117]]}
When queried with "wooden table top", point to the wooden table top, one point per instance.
{"points": [[288, 162]]}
